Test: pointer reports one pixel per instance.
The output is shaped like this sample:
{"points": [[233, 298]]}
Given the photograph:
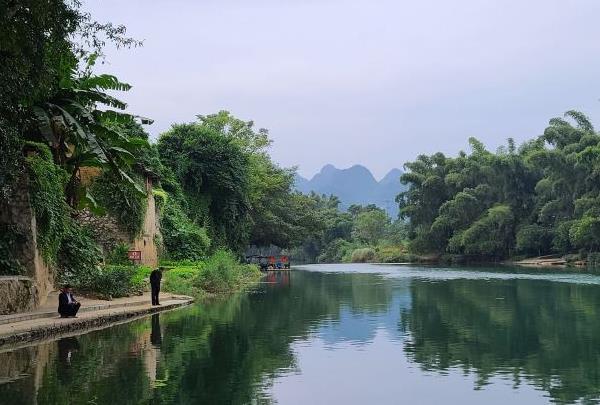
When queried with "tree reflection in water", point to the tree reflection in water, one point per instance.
{"points": [[542, 331], [230, 350]]}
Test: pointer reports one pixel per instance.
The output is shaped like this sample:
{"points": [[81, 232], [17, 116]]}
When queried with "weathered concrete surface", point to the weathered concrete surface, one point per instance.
{"points": [[17, 294], [44, 328], [146, 241]]}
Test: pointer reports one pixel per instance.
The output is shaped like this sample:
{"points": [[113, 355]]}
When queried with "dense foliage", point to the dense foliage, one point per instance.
{"points": [[362, 234], [182, 239], [121, 200], [224, 180], [540, 198], [213, 173], [46, 189]]}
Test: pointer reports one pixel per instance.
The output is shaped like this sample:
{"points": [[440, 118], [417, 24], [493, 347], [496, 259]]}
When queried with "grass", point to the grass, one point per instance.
{"points": [[181, 279], [220, 273]]}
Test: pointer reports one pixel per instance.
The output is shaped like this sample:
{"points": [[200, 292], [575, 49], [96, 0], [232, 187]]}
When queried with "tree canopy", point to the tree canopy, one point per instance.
{"points": [[539, 198]]}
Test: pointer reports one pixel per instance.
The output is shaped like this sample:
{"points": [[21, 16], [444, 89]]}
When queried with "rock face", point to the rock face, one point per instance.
{"points": [[18, 294]]}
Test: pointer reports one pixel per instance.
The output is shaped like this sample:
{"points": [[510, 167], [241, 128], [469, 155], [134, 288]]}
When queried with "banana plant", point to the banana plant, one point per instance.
{"points": [[77, 124]]}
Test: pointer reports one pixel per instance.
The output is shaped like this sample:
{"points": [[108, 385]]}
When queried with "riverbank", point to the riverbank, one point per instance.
{"points": [[45, 323]]}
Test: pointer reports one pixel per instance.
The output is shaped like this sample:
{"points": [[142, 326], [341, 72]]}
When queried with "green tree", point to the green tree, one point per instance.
{"points": [[533, 239], [213, 172], [370, 226]]}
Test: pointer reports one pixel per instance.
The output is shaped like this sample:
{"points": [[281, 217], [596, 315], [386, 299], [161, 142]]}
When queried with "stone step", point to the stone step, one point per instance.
{"points": [[28, 316]]}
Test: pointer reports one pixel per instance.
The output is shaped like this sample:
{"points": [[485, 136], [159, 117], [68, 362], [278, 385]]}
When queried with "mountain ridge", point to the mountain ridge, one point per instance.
{"points": [[355, 185]]}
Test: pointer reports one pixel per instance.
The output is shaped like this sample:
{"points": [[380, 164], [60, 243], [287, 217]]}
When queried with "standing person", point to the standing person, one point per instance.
{"points": [[67, 304], [155, 278]]}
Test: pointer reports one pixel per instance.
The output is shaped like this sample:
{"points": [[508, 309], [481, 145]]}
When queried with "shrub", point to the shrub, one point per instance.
{"points": [[222, 272], [119, 255], [110, 281], [141, 278], [363, 255], [117, 281], [391, 254], [182, 280], [533, 239], [335, 251], [79, 256]]}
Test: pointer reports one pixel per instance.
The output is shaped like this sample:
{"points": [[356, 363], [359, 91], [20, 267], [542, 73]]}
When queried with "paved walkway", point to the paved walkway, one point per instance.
{"points": [[45, 321]]}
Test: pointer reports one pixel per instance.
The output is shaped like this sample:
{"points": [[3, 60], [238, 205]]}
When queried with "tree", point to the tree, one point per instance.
{"points": [[533, 239], [82, 135], [39, 54], [370, 226], [213, 172]]}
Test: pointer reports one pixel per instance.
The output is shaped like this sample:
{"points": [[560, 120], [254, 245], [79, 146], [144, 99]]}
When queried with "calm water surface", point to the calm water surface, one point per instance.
{"points": [[347, 334]]}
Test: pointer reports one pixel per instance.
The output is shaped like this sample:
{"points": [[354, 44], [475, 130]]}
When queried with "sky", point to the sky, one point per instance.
{"points": [[372, 82]]}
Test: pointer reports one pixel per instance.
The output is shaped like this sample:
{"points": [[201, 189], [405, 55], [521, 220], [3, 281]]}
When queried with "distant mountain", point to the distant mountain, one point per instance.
{"points": [[355, 185]]}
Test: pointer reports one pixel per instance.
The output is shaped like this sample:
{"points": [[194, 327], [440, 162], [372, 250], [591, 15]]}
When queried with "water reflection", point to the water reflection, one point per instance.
{"points": [[358, 336], [547, 333]]}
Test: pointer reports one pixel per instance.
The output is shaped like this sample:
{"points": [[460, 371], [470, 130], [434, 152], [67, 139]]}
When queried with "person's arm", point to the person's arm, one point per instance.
{"points": [[62, 299]]}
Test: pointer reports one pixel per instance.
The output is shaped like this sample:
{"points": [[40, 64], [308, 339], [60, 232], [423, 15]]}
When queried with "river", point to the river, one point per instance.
{"points": [[339, 334]]}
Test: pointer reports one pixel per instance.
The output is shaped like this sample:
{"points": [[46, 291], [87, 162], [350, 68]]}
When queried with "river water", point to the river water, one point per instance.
{"points": [[339, 334]]}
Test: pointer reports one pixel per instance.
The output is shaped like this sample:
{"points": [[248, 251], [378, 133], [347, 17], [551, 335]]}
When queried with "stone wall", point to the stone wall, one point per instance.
{"points": [[31, 288], [18, 294], [24, 295], [108, 233]]}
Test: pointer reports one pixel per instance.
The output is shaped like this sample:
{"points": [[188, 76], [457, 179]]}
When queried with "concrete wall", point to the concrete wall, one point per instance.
{"points": [[145, 242]]}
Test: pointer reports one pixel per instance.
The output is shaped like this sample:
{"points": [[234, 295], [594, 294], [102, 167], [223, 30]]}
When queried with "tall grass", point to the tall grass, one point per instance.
{"points": [[220, 273], [363, 255], [182, 279]]}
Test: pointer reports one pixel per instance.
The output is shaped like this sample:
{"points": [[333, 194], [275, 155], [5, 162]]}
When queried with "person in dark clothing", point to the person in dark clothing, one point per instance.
{"points": [[155, 333], [155, 278], [67, 304], [66, 348]]}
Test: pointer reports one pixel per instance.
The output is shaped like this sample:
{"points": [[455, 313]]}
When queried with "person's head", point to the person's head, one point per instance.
{"points": [[68, 288], [161, 268]]}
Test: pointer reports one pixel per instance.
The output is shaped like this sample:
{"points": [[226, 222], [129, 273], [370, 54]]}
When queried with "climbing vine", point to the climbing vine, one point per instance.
{"points": [[122, 201], [46, 192]]}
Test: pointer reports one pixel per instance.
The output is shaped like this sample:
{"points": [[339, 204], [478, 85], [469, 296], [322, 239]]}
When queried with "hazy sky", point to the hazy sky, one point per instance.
{"points": [[362, 81]]}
